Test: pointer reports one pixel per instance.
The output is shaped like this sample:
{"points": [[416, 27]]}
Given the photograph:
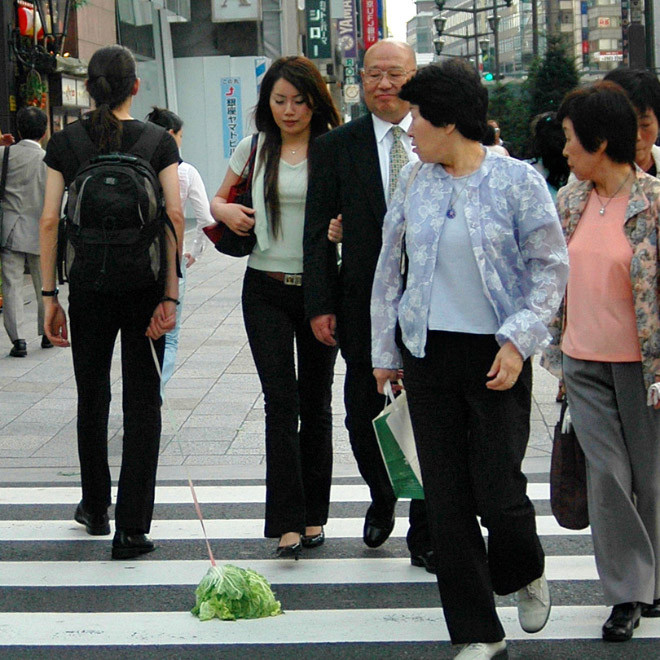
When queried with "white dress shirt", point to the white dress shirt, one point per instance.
{"points": [[191, 188]]}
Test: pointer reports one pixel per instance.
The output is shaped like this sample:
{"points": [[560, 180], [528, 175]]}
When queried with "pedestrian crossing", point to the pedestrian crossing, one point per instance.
{"points": [[61, 593]]}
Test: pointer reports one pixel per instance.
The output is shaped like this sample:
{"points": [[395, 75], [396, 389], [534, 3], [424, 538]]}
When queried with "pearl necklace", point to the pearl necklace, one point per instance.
{"points": [[600, 201]]}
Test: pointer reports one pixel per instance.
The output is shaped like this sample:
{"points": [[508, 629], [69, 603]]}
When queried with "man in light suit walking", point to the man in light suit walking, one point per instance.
{"points": [[354, 170], [19, 234]]}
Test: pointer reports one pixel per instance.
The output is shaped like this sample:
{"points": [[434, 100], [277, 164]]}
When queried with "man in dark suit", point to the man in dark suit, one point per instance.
{"points": [[353, 171]]}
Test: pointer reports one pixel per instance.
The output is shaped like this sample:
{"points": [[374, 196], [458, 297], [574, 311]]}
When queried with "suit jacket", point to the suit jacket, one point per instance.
{"points": [[24, 197], [344, 178]]}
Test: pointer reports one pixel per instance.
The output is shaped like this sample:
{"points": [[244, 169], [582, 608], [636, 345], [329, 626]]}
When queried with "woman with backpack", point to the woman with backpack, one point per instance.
{"points": [[122, 279], [294, 107], [192, 190]]}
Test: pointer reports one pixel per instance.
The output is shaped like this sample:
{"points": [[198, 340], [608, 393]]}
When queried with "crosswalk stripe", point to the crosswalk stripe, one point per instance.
{"points": [[306, 571], [67, 530], [295, 627], [205, 494]]}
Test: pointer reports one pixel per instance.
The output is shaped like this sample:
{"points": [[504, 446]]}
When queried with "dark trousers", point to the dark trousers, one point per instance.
{"points": [[95, 322], [363, 403], [298, 410], [471, 442]]}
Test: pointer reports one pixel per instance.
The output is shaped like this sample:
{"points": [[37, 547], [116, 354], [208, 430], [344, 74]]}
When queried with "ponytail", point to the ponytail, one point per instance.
{"points": [[112, 75]]}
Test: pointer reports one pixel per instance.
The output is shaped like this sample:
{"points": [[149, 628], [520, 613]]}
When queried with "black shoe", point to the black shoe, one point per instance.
{"points": [[313, 541], [127, 546], [377, 528], [288, 551], [652, 611], [45, 342], [97, 524], [424, 560], [623, 620], [19, 349]]}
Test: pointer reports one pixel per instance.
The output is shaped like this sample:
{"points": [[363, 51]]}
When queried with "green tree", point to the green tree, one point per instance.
{"points": [[508, 105], [552, 77]]}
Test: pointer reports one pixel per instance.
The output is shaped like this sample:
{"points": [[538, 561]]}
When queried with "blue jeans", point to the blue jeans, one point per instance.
{"points": [[172, 337]]}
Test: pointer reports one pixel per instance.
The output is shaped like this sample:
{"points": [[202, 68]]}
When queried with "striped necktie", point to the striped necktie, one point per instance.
{"points": [[398, 158]]}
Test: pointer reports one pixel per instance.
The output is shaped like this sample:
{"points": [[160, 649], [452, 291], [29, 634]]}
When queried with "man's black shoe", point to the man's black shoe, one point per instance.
{"points": [[19, 349], [97, 524], [377, 528], [127, 546], [425, 560], [622, 621], [45, 342], [652, 611]]}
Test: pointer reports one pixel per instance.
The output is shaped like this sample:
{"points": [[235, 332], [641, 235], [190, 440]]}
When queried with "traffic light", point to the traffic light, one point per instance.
{"points": [[489, 77]]}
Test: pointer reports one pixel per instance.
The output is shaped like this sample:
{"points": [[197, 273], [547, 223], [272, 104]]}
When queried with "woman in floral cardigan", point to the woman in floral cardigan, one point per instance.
{"points": [[606, 342]]}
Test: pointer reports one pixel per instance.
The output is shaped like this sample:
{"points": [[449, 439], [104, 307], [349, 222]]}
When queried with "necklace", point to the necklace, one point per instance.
{"points": [[451, 211], [600, 201], [294, 151]]}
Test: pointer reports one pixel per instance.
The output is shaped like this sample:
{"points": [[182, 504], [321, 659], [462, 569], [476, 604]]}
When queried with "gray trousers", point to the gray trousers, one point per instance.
{"points": [[12, 265], [620, 436]]}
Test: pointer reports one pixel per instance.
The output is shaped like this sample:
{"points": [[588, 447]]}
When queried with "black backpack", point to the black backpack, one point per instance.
{"points": [[112, 236]]}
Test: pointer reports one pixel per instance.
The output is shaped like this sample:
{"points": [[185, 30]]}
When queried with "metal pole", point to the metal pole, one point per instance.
{"points": [[535, 28], [476, 38], [496, 30]]}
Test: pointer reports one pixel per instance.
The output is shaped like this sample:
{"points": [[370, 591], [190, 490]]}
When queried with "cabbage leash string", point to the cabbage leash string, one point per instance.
{"points": [[172, 423]]}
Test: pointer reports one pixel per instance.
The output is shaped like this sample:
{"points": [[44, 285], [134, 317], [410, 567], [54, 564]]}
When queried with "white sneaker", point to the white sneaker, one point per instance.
{"points": [[534, 605], [483, 651]]}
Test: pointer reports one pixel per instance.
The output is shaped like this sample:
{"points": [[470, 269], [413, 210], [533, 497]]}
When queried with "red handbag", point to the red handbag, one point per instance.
{"points": [[223, 238]]}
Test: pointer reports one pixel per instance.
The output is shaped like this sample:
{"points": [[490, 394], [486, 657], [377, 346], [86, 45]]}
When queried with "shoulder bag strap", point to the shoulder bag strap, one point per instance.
{"points": [[3, 176], [249, 163], [404, 257]]}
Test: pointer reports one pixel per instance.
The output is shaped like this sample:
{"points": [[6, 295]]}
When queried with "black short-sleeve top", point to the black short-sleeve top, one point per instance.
{"points": [[60, 155]]}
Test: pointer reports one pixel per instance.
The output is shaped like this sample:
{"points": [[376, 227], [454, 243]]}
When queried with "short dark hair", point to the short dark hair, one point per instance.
{"points": [[31, 123], [602, 112], [488, 139], [169, 120], [450, 93], [642, 87], [548, 142]]}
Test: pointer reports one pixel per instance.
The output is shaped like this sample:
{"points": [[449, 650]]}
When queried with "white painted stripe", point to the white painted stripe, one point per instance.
{"points": [[296, 627], [238, 528], [205, 494], [307, 571]]}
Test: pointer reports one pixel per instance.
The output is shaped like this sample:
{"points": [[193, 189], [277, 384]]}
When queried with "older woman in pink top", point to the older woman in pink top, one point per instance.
{"points": [[606, 338]]}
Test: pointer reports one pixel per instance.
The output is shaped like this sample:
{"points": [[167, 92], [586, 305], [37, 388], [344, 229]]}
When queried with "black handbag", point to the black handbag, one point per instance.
{"points": [[223, 238], [568, 476]]}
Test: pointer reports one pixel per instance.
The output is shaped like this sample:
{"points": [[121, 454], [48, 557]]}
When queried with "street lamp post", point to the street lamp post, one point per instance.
{"points": [[493, 22]]}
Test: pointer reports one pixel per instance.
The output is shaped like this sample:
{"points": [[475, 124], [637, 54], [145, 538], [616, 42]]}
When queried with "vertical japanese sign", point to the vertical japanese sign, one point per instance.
{"points": [[318, 29], [232, 114], [347, 31], [369, 22]]}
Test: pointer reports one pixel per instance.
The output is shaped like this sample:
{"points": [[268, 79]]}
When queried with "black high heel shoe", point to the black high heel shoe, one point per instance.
{"points": [[313, 541], [289, 551]]}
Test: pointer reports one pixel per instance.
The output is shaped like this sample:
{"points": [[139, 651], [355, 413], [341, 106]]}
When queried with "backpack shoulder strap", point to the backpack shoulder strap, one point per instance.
{"points": [[80, 143], [148, 142]]}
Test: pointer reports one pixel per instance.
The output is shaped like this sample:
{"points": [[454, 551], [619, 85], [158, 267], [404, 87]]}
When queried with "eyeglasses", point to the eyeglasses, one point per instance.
{"points": [[396, 76]]}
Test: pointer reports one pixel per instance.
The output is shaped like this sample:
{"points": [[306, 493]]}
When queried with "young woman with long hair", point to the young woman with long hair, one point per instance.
{"points": [[140, 312], [294, 107]]}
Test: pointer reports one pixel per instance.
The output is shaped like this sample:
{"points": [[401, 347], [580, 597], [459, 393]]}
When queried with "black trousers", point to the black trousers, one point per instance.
{"points": [[96, 320], [363, 403], [298, 409], [471, 442]]}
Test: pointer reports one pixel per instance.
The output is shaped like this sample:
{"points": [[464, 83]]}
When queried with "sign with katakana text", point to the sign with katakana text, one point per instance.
{"points": [[318, 29], [232, 114]]}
